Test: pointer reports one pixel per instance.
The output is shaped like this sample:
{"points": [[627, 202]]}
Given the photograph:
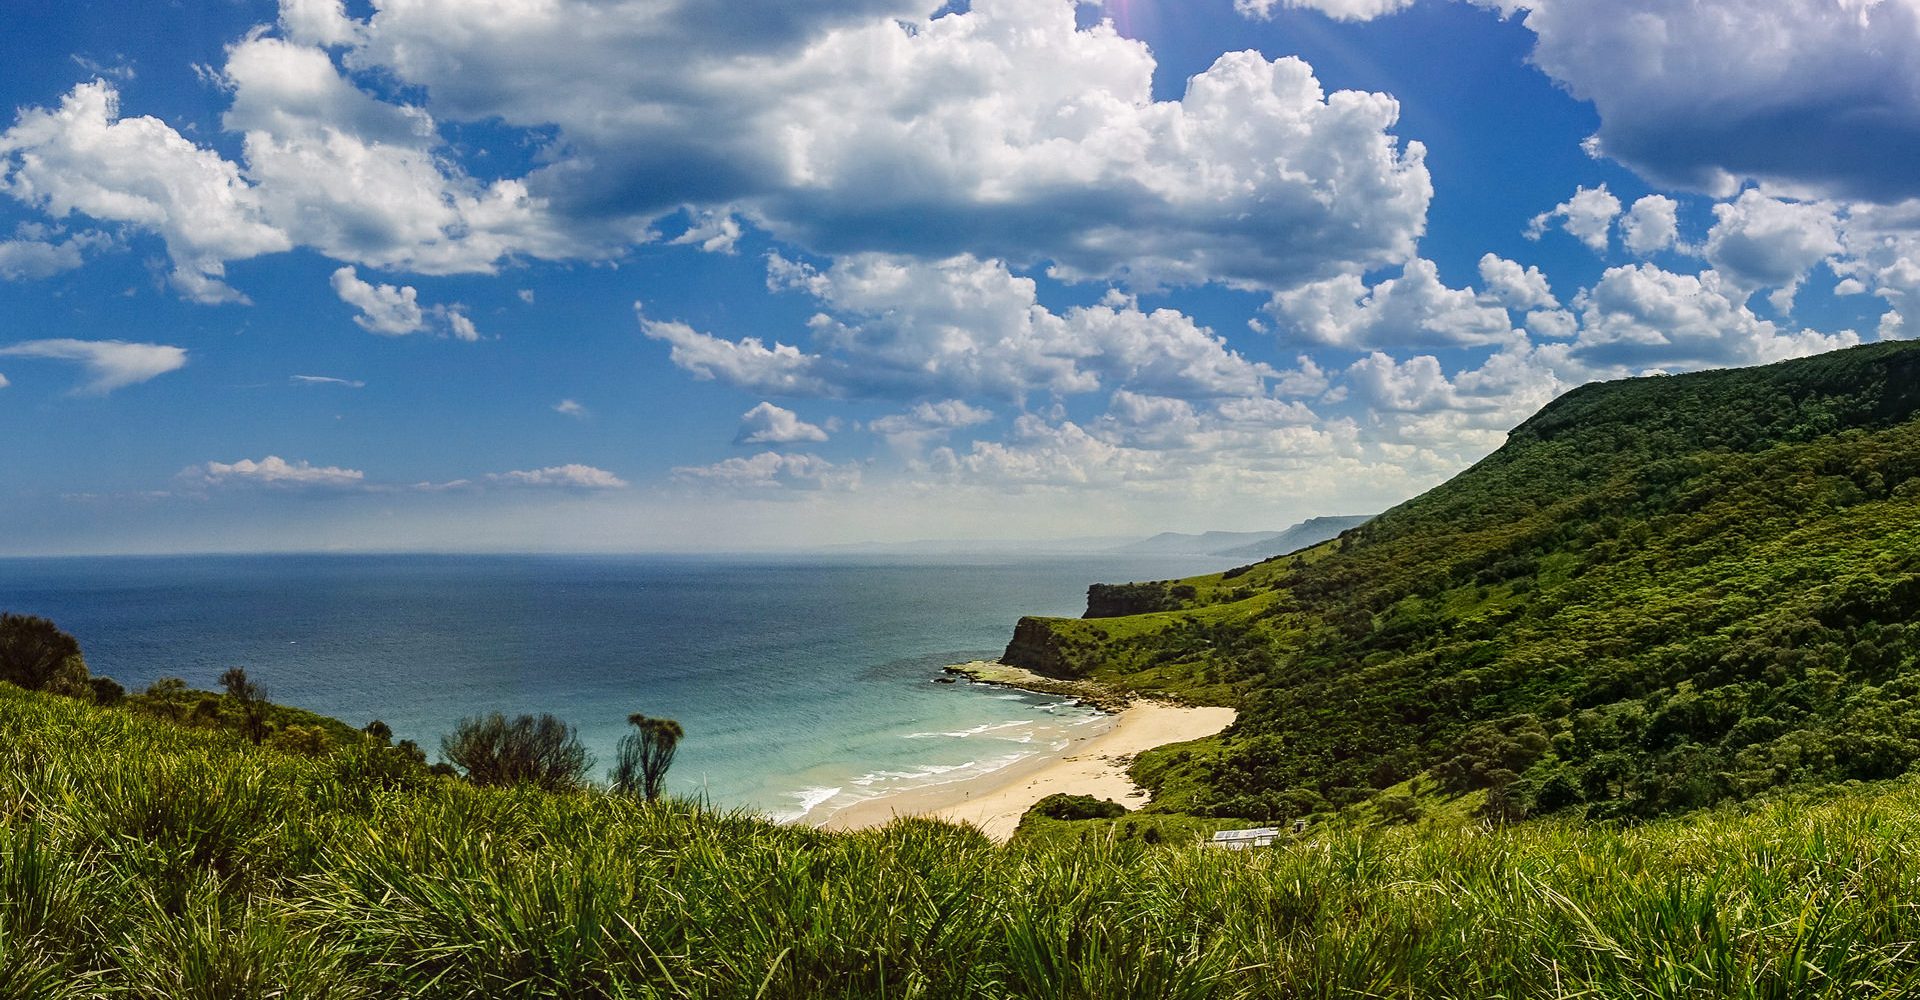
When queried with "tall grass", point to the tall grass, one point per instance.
{"points": [[142, 860]]}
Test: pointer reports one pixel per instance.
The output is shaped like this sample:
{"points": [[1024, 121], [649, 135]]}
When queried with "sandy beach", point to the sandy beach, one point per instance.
{"points": [[1095, 765]]}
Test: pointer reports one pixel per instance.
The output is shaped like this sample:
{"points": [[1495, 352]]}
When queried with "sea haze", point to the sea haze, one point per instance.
{"points": [[802, 683]]}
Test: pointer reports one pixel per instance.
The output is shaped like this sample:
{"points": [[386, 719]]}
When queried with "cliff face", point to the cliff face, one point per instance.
{"points": [[1038, 648]]}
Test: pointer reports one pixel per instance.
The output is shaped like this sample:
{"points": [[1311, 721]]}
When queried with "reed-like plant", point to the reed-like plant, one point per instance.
{"points": [[140, 858]]}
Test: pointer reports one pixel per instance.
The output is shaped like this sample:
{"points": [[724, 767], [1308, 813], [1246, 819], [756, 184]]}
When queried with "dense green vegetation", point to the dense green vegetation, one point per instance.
{"points": [[144, 858], [1662, 593]]}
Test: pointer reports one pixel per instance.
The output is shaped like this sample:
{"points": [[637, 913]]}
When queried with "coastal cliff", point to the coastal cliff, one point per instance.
{"points": [[1043, 650]]}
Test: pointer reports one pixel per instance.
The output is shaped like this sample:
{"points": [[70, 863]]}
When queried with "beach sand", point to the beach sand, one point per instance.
{"points": [[1094, 765]]}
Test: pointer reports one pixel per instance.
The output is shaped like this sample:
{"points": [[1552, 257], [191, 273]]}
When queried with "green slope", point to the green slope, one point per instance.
{"points": [[1661, 593], [144, 858]]}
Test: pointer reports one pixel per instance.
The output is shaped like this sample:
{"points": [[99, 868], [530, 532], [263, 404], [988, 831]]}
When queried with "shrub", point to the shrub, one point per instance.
{"points": [[36, 655], [645, 755], [528, 750], [1063, 806]]}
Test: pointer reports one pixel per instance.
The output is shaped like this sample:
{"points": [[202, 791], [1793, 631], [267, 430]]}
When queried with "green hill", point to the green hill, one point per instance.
{"points": [[1661, 593]]}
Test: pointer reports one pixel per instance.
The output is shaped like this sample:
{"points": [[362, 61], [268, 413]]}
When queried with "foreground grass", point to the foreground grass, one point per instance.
{"points": [[142, 859]]}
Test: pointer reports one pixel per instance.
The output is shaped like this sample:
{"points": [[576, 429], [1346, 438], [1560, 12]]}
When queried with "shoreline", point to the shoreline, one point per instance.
{"points": [[1093, 765]]}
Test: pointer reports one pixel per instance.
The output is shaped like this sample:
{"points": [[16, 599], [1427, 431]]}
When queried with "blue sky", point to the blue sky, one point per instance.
{"points": [[588, 275]]}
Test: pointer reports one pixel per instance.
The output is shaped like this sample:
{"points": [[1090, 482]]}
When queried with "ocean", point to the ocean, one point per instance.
{"points": [[803, 684]]}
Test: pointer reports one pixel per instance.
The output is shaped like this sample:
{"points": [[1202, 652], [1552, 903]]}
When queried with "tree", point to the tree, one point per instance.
{"points": [[528, 750], [36, 655], [252, 699], [645, 755]]}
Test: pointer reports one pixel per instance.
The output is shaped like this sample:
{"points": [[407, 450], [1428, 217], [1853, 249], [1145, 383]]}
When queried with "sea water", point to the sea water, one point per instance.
{"points": [[803, 683]]}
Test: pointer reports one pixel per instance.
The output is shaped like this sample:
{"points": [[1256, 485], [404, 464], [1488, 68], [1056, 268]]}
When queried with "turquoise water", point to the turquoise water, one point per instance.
{"points": [[802, 684]]}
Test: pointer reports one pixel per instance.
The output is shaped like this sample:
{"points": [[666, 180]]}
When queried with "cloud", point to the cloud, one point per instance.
{"points": [[1449, 419], [275, 472], [83, 158], [772, 470], [1641, 318], [1050, 455], [1305, 379], [896, 326], [1760, 242], [318, 22], [35, 253], [1000, 131], [1515, 287], [769, 424], [366, 181], [1812, 97], [713, 232], [395, 311], [1339, 10], [1414, 310], [747, 363], [388, 309], [1883, 257], [912, 431], [111, 364], [1651, 225], [326, 380], [1553, 324], [568, 407], [565, 477], [1588, 216], [3, 382]]}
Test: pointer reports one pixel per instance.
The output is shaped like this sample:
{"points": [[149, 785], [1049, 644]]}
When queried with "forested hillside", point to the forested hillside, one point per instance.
{"points": [[1661, 593]]}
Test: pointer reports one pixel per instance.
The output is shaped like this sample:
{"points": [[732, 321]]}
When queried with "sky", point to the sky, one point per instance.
{"points": [[671, 275]]}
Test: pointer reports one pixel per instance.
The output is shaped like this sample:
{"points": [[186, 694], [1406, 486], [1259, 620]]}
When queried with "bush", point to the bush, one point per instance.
{"points": [[36, 655], [529, 750], [1063, 806]]}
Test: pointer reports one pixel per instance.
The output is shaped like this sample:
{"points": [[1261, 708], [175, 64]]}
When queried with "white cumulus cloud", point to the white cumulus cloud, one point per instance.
{"points": [[395, 310], [1515, 287], [913, 430], [770, 424], [274, 471], [771, 470], [1651, 225], [1588, 216], [1415, 309], [1003, 131], [1760, 242], [83, 158], [566, 477], [1643, 318]]}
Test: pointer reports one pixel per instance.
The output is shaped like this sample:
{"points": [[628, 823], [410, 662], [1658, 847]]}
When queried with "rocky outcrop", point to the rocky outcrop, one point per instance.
{"points": [[1037, 647]]}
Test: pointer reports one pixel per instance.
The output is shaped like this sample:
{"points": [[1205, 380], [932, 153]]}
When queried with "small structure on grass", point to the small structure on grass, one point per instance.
{"points": [[1240, 840]]}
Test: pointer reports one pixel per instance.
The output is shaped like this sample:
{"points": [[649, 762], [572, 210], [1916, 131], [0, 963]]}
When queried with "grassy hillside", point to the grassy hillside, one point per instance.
{"points": [[143, 858], [1660, 594]]}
